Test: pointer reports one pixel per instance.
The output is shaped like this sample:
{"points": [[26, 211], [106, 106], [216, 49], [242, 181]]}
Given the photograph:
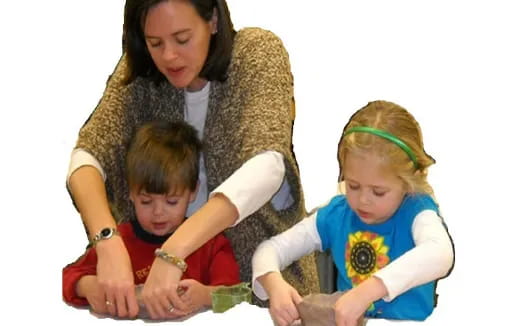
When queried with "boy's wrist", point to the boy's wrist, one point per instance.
{"points": [[83, 284]]}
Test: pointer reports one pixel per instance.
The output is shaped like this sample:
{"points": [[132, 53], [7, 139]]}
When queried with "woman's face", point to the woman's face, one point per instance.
{"points": [[178, 41]]}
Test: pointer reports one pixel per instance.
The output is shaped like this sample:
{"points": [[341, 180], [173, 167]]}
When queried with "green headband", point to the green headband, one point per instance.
{"points": [[387, 136]]}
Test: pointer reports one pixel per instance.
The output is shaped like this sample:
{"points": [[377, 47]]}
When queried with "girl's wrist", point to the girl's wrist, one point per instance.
{"points": [[372, 289]]}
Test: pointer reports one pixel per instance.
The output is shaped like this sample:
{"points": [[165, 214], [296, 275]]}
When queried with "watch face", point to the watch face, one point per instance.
{"points": [[105, 233]]}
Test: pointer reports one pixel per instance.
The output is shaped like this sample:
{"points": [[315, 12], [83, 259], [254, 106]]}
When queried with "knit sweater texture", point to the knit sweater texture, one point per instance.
{"points": [[249, 113]]}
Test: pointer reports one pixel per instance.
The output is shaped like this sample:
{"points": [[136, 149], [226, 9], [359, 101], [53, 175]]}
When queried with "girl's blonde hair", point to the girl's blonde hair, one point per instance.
{"points": [[393, 119]]}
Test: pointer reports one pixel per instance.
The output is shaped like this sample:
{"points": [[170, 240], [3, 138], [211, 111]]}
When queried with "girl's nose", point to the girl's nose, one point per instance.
{"points": [[364, 198]]}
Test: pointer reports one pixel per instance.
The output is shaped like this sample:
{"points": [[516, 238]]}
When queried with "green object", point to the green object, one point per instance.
{"points": [[226, 297], [388, 136]]}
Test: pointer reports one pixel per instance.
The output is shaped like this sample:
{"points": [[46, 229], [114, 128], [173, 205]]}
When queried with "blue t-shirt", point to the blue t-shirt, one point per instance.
{"points": [[360, 249]]}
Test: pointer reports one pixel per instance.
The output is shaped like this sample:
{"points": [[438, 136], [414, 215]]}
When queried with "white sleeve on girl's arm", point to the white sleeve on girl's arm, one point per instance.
{"points": [[278, 252], [430, 259], [254, 183], [80, 157]]}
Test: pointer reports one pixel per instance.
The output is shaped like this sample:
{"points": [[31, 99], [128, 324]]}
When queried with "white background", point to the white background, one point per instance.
{"points": [[454, 64]]}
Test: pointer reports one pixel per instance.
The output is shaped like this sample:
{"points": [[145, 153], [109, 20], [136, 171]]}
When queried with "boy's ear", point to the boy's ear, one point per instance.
{"points": [[193, 194]]}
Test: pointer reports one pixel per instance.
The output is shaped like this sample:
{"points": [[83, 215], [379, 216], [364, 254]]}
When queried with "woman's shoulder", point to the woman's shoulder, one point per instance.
{"points": [[251, 38]]}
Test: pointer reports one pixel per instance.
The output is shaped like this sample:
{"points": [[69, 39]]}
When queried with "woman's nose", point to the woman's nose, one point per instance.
{"points": [[170, 52]]}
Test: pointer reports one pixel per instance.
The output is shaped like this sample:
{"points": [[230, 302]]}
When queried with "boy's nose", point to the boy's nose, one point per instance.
{"points": [[157, 209]]}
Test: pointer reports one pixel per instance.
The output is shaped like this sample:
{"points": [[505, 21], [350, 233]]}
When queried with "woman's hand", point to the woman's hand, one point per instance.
{"points": [[195, 294], [115, 278], [351, 306], [283, 299], [160, 291]]}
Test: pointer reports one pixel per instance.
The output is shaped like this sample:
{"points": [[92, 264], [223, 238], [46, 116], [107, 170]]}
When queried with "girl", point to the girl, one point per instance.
{"points": [[385, 234]]}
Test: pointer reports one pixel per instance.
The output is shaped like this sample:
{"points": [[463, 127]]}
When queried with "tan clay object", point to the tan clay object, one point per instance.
{"points": [[318, 310]]}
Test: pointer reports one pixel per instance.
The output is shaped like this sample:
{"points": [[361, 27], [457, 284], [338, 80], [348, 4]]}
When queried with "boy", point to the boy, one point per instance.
{"points": [[162, 172]]}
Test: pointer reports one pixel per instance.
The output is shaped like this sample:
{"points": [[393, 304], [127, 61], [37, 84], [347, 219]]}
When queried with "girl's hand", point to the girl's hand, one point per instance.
{"points": [[350, 308], [115, 278], [195, 294], [160, 291], [89, 288], [283, 299]]}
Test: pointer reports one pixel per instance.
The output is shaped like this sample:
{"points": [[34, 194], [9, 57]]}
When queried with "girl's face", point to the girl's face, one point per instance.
{"points": [[178, 40], [373, 192], [161, 214]]}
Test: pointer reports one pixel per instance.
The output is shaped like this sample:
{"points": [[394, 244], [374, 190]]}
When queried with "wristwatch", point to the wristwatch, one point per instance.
{"points": [[104, 234]]}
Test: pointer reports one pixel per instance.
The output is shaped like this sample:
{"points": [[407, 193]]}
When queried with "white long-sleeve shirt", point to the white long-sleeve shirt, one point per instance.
{"points": [[257, 181], [430, 259]]}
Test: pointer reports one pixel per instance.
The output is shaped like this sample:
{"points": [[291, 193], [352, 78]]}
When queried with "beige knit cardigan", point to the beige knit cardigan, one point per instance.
{"points": [[249, 113]]}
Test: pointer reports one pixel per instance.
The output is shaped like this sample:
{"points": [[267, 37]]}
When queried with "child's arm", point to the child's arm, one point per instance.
{"points": [[71, 275], [274, 255], [351, 306], [430, 259], [88, 287], [222, 269], [195, 294]]}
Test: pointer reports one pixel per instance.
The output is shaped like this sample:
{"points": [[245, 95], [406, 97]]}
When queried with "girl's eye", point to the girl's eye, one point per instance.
{"points": [[353, 187], [379, 193], [146, 202], [172, 202]]}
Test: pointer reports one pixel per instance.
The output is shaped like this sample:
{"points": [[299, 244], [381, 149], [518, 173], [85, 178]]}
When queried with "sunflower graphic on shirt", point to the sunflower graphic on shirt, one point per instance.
{"points": [[366, 254]]}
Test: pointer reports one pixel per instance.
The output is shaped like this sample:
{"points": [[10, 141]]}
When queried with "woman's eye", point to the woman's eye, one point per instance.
{"points": [[154, 44], [183, 40]]}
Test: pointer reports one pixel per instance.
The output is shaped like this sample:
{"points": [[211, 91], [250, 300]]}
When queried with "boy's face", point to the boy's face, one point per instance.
{"points": [[161, 214], [373, 192]]}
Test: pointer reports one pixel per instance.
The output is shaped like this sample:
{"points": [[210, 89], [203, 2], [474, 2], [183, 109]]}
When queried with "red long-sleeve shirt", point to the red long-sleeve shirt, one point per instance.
{"points": [[212, 264]]}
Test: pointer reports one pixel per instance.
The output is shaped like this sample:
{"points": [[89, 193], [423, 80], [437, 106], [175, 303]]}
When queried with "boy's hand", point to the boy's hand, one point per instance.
{"points": [[350, 308], [283, 299], [195, 294], [89, 288]]}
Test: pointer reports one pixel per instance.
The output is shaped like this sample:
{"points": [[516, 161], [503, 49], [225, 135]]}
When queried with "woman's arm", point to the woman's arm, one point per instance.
{"points": [[103, 136]]}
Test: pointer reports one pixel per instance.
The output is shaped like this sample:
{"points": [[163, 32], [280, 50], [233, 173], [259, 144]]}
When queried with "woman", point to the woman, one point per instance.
{"points": [[183, 60]]}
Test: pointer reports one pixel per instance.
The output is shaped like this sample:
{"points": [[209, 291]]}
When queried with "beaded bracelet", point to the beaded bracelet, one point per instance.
{"points": [[179, 262]]}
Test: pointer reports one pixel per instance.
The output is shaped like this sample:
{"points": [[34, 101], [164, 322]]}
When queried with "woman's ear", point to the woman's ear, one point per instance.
{"points": [[214, 21]]}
